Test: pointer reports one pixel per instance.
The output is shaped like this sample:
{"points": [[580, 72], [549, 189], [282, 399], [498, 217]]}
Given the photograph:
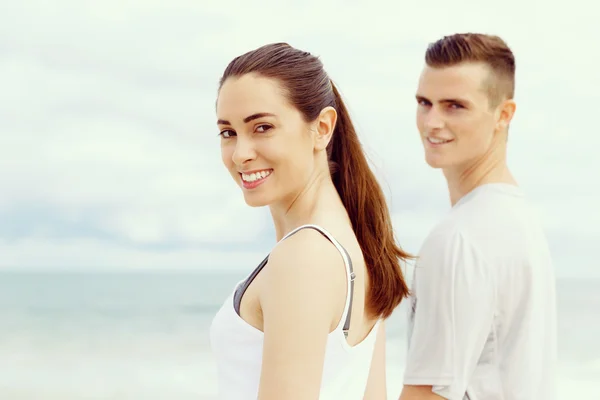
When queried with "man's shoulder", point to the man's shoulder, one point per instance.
{"points": [[493, 204], [490, 226], [453, 226], [467, 229], [449, 239]]}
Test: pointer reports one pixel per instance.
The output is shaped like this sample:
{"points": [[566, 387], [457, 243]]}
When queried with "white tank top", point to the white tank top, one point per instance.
{"points": [[237, 348]]}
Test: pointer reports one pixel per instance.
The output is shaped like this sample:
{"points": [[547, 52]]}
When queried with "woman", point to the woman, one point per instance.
{"points": [[307, 323]]}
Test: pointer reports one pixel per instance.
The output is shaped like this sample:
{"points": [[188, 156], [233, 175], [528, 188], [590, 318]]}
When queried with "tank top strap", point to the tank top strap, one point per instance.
{"points": [[350, 275]]}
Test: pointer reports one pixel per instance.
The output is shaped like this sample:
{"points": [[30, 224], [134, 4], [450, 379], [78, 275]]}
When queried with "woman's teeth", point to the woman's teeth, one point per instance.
{"points": [[255, 176]]}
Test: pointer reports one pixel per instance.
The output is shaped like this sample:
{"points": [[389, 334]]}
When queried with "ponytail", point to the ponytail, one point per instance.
{"points": [[367, 208], [309, 89]]}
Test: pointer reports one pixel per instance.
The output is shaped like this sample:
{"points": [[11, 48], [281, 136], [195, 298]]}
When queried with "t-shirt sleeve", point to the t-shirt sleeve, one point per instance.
{"points": [[453, 315]]}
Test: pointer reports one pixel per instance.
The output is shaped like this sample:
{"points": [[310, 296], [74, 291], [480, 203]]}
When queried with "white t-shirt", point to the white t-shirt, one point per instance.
{"points": [[482, 325]]}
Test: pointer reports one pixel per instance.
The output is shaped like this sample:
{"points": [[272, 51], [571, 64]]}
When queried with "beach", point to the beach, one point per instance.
{"points": [[140, 335]]}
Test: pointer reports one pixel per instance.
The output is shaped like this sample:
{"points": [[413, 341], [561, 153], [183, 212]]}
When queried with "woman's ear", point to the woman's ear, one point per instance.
{"points": [[325, 125]]}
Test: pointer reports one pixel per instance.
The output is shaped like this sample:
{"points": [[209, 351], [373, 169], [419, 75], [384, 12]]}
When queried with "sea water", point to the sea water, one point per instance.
{"points": [[130, 336]]}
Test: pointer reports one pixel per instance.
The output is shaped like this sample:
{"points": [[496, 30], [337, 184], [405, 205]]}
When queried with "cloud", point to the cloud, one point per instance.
{"points": [[108, 149]]}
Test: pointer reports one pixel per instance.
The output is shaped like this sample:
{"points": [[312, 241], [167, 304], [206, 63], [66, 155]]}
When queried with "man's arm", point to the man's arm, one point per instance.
{"points": [[455, 292]]}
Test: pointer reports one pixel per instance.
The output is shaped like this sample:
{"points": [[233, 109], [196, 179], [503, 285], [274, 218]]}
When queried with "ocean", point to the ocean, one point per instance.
{"points": [[140, 335]]}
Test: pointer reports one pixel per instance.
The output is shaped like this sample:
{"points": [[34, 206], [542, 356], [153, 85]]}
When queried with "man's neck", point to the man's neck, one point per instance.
{"points": [[491, 167]]}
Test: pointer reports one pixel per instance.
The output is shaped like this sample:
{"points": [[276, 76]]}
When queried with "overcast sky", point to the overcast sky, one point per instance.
{"points": [[109, 155]]}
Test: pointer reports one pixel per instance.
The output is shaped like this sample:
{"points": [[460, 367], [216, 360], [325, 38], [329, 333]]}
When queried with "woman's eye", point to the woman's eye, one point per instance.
{"points": [[263, 128], [227, 133]]}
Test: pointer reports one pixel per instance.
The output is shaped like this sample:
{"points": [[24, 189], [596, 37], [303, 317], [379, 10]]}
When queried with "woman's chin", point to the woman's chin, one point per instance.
{"points": [[256, 200]]}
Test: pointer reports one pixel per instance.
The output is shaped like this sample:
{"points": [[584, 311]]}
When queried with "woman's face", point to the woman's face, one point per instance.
{"points": [[265, 143]]}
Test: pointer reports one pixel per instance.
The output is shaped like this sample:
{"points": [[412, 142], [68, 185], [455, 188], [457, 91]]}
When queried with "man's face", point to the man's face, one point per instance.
{"points": [[454, 116]]}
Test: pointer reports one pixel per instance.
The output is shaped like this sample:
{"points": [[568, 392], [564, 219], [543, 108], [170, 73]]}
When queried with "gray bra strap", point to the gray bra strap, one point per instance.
{"points": [[239, 292], [241, 289]]}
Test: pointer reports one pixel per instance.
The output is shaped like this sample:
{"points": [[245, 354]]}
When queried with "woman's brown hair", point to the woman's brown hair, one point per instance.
{"points": [[309, 89]]}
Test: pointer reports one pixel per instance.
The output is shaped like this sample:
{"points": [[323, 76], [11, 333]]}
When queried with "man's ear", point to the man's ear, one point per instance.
{"points": [[506, 111], [325, 125]]}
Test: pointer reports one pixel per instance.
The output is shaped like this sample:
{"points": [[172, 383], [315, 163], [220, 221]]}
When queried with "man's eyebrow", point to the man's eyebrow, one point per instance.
{"points": [[449, 100], [455, 100]]}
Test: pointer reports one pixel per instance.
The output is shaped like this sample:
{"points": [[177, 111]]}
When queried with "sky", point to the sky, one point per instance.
{"points": [[109, 154]]}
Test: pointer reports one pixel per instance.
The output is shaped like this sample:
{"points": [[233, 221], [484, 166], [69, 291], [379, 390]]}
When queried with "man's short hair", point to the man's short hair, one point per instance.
{"points": [[478, 48]]}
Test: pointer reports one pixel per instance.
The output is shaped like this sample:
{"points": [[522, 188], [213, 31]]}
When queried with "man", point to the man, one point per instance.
{"points": [[482, 323]]}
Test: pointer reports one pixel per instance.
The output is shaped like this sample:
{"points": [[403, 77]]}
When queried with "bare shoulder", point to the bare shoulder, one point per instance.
{"points": [[304, 267], [301, 297], [304, 254]]}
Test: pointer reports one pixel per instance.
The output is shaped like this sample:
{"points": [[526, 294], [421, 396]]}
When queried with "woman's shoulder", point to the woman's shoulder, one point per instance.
{"points": [[308, 259], [309, 248]]}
